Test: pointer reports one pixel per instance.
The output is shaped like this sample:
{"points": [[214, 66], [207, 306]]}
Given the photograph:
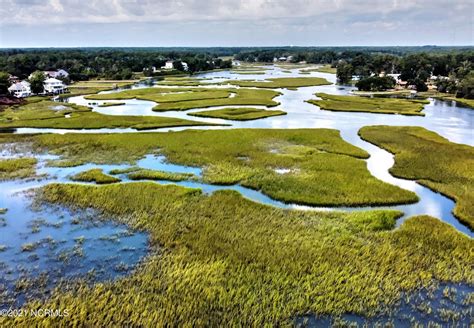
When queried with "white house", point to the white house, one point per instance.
{"points": [[20, 89], [56, 74], [54, 86], [185, 66], [168, 65]]}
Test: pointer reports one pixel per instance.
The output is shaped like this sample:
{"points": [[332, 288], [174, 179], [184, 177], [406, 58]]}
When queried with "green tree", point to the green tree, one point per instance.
{"points": [[344, 72], [466, 87], [376, 83], [4, 83], [36, 81]]}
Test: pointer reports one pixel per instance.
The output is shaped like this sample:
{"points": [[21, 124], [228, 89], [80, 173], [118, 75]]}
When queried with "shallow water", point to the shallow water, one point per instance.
{"points": [[57, 244], [443, 307]]}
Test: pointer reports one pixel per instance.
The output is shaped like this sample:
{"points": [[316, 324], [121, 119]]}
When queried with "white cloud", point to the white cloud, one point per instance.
{"points": [[113, 11]]}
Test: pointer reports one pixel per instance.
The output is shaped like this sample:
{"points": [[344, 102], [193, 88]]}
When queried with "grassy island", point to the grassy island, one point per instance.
{"points": [[369, 105], [49, 114], [431, 160], [239, 113]]}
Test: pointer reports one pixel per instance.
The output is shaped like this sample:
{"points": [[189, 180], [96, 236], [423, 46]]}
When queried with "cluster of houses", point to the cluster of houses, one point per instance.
{"points": [[51, 84]]}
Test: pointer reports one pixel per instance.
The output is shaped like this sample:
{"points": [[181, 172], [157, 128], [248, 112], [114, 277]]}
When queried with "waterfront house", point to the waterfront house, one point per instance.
{"points": [[20, 89], [168, 65], [54, 86]]}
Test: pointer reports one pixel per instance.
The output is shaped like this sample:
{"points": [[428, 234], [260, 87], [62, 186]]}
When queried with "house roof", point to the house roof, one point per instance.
{"points": [[19, 86], [52, 80]]}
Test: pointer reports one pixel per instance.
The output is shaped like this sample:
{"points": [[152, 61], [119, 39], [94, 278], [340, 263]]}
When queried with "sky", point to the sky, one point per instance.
{"points": [[203, 23]]}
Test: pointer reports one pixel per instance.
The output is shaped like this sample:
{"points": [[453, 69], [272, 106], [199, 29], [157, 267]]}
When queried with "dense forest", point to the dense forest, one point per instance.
{"points": [[110, 63]]}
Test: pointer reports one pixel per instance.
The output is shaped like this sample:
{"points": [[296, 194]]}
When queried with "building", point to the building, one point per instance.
{"points": [[185, 66], [60, 73], [20, 89], [168, 65], [56, 74], [54, 86], [13, 79]]}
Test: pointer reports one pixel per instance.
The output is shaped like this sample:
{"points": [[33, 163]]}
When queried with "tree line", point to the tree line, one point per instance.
{"points": [[109, 63]]}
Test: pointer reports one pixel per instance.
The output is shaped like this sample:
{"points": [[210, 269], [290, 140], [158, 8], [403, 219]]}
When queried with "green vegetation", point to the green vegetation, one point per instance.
{"points": [[183, 99], [48, 114], [95, 175], [159, 175], [245, 72], [324, 169], [239, 113], [323, 69], [376, 83], [124, 171], [431, 160], [110, 104], [283, 82], [17, 168], [94, 86], [165, 95], [450, 97], [370, 105], [3, 210], [222, 258]]}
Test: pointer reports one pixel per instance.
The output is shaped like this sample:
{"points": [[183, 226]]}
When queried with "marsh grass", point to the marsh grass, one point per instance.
{"points": [[322, 69], [94, 86], [111, 104], [42, 115], [17, 168], [432, 160], [159, 175], [239, 113], [95, 175], [223, 259], [369, 105], [283, 82], [124, 171], [324, 169], [184, 99]]}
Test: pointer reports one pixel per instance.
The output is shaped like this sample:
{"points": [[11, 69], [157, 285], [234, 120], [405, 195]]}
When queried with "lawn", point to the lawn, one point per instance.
{"points": [[239, 113], [94, 175], [283, 82], [323, 169], [48, 114], [224, 260], [184, 99], [369, 105], [432, 160]]}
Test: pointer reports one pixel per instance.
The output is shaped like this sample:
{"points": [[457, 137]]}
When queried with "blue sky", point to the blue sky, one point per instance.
{"points": [[69, 23]]}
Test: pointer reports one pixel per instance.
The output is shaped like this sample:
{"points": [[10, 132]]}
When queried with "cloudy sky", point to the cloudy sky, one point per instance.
{"points": [[41, 23]]}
